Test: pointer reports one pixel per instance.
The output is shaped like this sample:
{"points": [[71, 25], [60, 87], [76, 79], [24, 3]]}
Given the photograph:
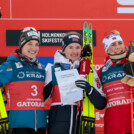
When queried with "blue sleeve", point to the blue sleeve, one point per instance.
{"points": [[6, 73]]}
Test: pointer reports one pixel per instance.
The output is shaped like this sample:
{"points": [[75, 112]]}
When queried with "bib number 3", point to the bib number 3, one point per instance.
{"points": [[34, 90]]}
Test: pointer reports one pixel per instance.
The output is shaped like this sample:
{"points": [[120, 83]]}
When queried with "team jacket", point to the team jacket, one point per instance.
{"points": [[24, 82], [61, 118], [117, 118]]}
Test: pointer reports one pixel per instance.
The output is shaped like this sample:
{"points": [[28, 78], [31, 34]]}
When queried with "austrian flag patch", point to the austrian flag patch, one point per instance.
{"points": [[9, 68]]}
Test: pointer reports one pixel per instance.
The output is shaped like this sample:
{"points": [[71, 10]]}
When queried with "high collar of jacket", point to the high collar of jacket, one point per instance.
{"points": [[59, 58], [17, 56], [124, 60]]}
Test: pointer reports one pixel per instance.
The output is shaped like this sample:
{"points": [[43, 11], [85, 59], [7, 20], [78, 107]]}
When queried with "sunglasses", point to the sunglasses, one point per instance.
{"points": [[28, 29], [107, 34]]}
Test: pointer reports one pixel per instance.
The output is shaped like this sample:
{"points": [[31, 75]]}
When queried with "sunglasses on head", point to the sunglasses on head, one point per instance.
{"points": [[107, 34], [28, 29]]}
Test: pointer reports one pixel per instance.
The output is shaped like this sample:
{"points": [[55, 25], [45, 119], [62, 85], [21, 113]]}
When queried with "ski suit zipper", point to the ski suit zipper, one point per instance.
{"points": [[71, 120], [35, 121]]}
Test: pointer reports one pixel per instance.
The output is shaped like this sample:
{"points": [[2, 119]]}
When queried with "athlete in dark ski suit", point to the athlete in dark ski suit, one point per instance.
{"points": [[62, 118]]}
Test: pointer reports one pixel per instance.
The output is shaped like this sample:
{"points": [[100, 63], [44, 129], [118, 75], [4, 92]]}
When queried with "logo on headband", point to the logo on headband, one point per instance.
{"points": [[75, 39], [23, 38], [31, 33], [114, 38]]}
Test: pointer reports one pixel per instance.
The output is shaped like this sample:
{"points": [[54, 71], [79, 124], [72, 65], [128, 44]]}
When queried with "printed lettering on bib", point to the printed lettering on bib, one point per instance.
{"points": [[27, 96], [117, 94]]}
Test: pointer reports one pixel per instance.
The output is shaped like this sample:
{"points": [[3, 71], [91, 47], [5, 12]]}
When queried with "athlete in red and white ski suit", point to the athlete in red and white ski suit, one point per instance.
{"points": [[117, 118]]}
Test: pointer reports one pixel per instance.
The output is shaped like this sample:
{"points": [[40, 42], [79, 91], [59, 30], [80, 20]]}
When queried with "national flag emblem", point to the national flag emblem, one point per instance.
{"points": [[114, 38], [75, 39], [9, 68]]}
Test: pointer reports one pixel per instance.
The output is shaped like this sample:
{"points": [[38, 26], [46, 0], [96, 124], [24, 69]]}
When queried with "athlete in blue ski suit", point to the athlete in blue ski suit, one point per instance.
{"points": [[23, 80]]}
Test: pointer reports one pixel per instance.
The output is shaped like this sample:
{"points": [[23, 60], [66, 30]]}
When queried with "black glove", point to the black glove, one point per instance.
{"points": [[4, 126], [92, 93], [129, 68], [84, 85], [86, 51]]}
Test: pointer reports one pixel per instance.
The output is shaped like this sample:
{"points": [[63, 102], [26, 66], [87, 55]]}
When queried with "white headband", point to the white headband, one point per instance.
{"points": [[110, 39]]}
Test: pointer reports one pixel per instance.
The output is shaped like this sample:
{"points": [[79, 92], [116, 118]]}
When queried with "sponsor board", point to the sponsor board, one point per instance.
{"points": [[47, 37]]}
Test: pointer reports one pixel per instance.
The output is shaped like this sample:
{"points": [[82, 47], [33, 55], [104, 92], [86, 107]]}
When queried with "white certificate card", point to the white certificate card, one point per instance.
{"points": [[69, 92]]}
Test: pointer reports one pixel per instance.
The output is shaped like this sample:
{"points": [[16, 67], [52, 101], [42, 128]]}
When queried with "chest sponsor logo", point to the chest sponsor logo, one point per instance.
{"points": [[22, 75], [111, 76]]}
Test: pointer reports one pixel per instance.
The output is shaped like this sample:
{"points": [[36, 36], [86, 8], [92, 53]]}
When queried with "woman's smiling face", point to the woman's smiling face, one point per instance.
{"points": [[116, 47], [73, 51], [30, 49]]}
